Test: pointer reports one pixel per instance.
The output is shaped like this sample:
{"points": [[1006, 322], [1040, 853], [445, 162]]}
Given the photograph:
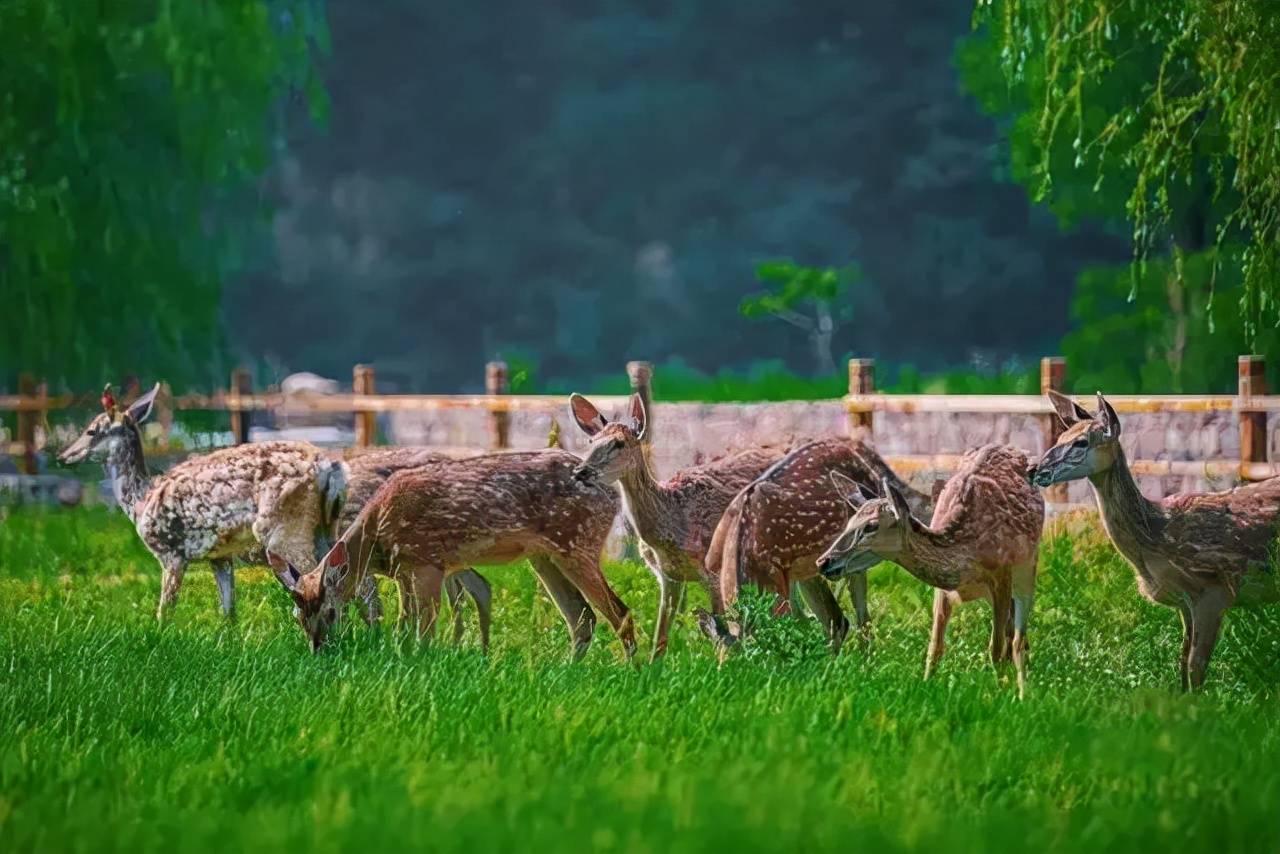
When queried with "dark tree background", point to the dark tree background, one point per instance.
{"points": [[586, 182]]}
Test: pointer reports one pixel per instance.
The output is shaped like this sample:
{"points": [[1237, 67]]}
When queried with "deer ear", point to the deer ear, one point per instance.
{"points": [[1068, 410], [853, 493], [336, 565], [285, 572], [1108, 418], [901, 509], [639, 415], [140, 409], [585, 413]]}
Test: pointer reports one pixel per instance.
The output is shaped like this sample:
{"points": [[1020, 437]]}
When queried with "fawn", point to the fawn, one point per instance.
{"points": [[276, 496], [431, 522], [366, 472], [1199, 553], [776, 527], [982, 543], [674, 521]]}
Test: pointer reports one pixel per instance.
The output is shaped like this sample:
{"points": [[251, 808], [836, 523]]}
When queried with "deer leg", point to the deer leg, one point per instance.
{"points": [[420, 599], [861, 615], [1024, 598], [818, 596], [457, 595], [584, 572], [937, 640], [1001, 605], [1206, 617], [577, 614], [482, 594], [669, 593], [1184, 612], [224, 576], [170, 584]]}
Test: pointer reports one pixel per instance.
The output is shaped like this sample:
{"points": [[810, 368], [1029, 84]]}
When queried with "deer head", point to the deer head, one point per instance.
{"points": [[1089, 445], [880, 528], [318, 596], [615, 446], [111, 428]]}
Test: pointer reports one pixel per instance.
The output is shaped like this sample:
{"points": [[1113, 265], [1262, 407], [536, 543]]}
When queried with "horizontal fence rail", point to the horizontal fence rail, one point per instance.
{"points": [[1251, 404]]}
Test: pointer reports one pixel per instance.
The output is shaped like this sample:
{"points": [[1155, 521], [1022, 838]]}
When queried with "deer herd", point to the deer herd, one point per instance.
{"points": [[777, 517]]}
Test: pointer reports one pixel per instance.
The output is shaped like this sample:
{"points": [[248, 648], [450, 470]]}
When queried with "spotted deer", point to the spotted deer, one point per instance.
{"points": [[775, 528], [428, 523], [280, 497], [1199, 553], [366, 472], [673, 520], [982, 543]]}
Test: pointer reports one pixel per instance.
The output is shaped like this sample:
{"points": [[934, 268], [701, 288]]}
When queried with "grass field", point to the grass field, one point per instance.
{"points": [[119, 734]]}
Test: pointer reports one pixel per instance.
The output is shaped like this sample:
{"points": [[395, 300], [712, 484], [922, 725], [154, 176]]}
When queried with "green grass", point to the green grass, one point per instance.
{"points": [[118, 734]]}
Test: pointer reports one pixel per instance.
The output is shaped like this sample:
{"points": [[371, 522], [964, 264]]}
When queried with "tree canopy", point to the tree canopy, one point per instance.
{"points": [[1163, 112], [129, 137]]}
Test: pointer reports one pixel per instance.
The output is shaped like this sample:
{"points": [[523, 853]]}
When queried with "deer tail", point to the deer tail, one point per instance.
{"points": [[728, 556]]}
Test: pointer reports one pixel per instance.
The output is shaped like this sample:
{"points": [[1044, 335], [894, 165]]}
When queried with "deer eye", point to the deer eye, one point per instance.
{"points": [[1080, 443]]}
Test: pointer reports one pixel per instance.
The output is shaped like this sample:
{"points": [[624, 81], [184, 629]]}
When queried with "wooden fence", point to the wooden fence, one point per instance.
{"points": [[1251, 403]]}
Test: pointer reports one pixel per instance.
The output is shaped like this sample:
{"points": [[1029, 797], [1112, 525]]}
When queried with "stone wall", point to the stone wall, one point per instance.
{"points": [[685, 433]]}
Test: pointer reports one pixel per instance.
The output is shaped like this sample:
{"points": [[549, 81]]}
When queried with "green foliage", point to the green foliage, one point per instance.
{"points": [[790, 287], [121, 735], [1171, 335], [1164, 111], [129, 133]]}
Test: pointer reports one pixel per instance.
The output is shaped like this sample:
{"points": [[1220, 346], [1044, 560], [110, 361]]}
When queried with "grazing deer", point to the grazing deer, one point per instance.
{"points": [[674, 521], [982, 543], [366, 472], [773, 531], [277, 496], [431, 522], [1199, 553]]}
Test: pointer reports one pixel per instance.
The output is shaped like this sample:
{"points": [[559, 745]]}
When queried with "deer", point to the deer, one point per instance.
{"points": [[1199, 553], [983, 542], [366, 472], [775, 528], [281, 497], [675, 520], [428, 523]]}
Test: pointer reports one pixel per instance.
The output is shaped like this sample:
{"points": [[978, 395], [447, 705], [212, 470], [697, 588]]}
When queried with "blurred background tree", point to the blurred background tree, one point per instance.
{"points": [[812, 299], [130, 136]]}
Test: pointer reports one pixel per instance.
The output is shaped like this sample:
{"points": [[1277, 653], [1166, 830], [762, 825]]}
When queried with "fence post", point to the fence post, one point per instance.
{"points": [[28, 419], [862, 380], [1253, 425], [1053, 376], [241, 384], [496, 383], [363, 382]]}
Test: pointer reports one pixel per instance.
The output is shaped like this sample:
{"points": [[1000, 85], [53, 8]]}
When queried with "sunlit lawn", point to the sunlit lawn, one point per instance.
{"points": [[118, 734]]}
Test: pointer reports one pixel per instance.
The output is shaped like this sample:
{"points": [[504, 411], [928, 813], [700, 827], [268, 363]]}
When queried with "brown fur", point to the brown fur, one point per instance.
{"points": [[775, 528], [367, 471], [433, 521], [1199, 553], [673, 521], [982, 543]]}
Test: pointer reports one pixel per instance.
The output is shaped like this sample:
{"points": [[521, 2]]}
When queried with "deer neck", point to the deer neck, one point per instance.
{"points": [[934, 558], [648, 504], [1130, 519], [127, 468]]}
